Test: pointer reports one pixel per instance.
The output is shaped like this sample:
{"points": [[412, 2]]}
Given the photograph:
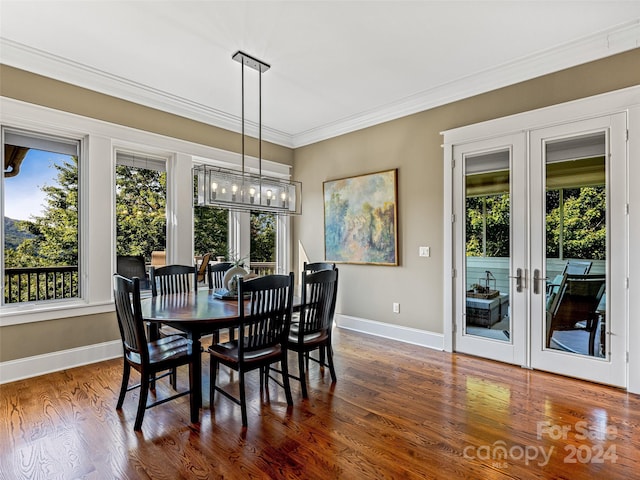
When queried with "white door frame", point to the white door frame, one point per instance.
{"points": [[627, 101]]}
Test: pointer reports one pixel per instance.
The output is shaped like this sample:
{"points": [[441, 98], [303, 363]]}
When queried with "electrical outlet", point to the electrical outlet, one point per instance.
{"points": [[396, 307], [424, 251]]}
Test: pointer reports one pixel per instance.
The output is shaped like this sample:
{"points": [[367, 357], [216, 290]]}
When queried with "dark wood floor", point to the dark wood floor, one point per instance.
{"points": [[397, 411]]}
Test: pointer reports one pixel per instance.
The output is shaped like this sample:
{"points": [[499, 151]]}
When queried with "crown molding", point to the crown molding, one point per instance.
{"points": [[37, 61], [599, 45]]}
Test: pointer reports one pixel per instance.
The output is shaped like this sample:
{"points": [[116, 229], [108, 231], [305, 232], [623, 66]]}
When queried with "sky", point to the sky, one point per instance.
{"points": [[23, 195]]}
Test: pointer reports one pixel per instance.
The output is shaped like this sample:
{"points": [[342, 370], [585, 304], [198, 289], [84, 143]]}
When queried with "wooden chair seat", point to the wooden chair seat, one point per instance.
{"points": [[165, 349], [229, 353]]}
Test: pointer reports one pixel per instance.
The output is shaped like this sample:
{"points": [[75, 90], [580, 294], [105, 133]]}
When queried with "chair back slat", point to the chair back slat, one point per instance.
{"points": [[172, 279], [317, 266], [216, 274], [129, 313], [318, 301], [265, 321]]}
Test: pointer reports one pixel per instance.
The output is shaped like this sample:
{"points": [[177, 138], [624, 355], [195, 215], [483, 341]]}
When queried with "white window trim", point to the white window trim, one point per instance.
{"points": [[97, 229]]}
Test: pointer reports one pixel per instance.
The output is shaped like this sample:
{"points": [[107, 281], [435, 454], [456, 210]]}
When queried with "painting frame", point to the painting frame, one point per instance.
{"points": [[361, 219]]}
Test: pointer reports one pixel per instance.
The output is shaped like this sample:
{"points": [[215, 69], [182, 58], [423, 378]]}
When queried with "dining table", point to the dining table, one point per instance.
{"points": [[196, 313]]}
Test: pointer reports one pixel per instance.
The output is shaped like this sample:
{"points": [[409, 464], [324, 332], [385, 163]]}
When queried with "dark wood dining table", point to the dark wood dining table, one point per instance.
{"points": [[196, 313]]}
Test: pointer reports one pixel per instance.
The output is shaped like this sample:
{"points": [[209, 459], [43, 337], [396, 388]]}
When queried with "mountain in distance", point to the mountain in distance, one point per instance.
{"points": [[13, 236]]}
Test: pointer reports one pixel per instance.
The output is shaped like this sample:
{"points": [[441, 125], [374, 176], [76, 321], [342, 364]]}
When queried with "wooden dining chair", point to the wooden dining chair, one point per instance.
{"points": [[313, 331], [262, 329], [215, 274], [173, 279], [150, 358], [166, 280], [317, 266]]}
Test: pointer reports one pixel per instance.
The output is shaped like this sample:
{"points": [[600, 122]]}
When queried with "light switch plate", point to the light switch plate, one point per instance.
{"points": [[424, 251]]}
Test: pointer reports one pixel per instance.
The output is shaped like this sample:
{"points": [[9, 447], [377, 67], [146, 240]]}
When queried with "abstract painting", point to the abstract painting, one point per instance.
{"points": [[361, 219]]}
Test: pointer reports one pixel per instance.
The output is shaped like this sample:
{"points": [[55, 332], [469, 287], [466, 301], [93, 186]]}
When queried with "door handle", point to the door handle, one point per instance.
{"points": [[536, 279], [518, 277]]}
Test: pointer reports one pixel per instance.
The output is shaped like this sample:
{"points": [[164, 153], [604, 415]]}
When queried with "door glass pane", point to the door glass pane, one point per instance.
{"points": [[487, 245], [576, 245]]}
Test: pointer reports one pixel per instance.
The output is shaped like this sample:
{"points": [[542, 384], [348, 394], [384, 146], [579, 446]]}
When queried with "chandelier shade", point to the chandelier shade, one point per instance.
{"points": [[225, 188], [243, 190]]}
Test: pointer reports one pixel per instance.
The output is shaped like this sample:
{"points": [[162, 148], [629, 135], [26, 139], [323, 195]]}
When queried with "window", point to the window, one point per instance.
{"points": [[263, 242], [141, 192], [40, 198]]}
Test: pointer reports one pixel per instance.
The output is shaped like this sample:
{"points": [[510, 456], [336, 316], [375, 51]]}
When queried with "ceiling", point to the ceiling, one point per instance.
{"points": [[336, 66]]}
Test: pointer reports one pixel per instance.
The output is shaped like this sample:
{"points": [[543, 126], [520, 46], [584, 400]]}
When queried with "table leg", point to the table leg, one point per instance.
{"points": [[196, 386]]}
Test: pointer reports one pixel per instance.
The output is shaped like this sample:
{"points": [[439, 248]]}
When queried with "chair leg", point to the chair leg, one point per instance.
{"points": [[243, 400], [125, 383], [142, 402], [330, 360], [193, 401], [302, 373], [284, 366], [174, 378], [213, 374]]}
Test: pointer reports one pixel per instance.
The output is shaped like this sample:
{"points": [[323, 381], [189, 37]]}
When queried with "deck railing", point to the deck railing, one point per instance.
{"points": [[40, 283], [263, 268]]}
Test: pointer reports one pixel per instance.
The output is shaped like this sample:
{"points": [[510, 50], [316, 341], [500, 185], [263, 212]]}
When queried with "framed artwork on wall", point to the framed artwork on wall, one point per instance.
{"points": [[361, 219]]}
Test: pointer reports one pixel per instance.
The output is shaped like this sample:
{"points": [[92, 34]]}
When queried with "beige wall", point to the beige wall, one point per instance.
{"points": [[413, 145]]}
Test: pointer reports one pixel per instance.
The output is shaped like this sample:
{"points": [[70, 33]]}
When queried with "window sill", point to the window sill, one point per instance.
{"points": [[35, 312]]}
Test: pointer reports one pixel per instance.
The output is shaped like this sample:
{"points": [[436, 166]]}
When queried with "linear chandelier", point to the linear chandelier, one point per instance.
{"points": [[243, 190]]}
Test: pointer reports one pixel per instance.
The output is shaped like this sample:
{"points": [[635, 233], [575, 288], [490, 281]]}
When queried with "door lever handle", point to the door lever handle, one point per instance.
{"points": [[518, 277], [536, 279]]}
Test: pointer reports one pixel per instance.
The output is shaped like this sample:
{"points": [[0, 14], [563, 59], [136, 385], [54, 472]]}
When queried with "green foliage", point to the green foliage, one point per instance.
{"points": [[585, 229], [210, 230], [141, 223], [15, 232], [263, 237], [575, 222], [51, 239], [491, 213]]}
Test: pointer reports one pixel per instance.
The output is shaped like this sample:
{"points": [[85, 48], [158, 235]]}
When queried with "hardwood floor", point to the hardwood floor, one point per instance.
{"points": [[397, 411]]}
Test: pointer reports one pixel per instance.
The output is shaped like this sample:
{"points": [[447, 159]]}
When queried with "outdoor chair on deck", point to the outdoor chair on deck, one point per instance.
{"points": [[203, 269], [148, 358], [575, 306], [572, 267], [130, 266]]}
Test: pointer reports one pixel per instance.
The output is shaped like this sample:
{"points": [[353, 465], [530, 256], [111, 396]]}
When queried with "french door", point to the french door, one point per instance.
{"points": [[540, 249]]}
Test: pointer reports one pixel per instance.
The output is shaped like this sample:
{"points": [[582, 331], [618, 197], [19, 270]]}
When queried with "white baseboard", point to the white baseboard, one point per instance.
{"points": [[52, 362], [28, 367], [392, 332]]}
